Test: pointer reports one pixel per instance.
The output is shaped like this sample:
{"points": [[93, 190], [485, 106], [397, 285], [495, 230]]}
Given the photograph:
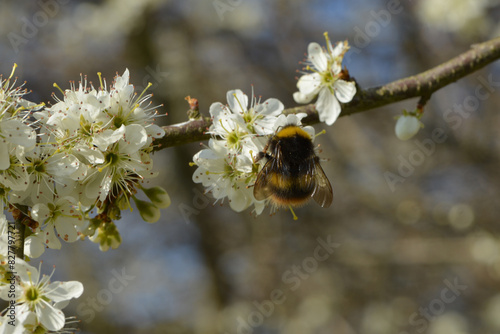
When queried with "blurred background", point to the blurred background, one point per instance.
{"points": [[410, 244]]}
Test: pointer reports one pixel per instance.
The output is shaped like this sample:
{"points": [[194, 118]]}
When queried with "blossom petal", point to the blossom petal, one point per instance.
{"points": [[66, 228], [155, 131], [92, 154], [344, 90], [61, 291], [310, 131], [51, 239], [135, 138], [34, 246], [309, 83], [216, 108], [49, 316], [63, 164], [122, 81], [328, 107], [294, 119], [338, 49], [270, 107], [237, 100], [108, 137], [300, 97], [40, 212], [239, 199], [18, 133], [317, 56]]}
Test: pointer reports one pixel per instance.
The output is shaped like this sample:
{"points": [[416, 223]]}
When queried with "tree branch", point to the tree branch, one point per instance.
{"points": [[19, 213], [421, 85]]}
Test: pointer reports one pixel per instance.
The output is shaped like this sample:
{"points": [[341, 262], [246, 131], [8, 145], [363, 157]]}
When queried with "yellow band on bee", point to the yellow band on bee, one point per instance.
{"points": [[291, 131], [280, 182]]}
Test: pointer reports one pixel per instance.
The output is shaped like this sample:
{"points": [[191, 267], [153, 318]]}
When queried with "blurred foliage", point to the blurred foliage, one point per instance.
{"points": [[205, 269]]}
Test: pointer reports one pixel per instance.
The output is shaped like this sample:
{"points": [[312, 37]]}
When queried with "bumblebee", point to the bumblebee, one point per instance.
{"points": [[292, 173]]}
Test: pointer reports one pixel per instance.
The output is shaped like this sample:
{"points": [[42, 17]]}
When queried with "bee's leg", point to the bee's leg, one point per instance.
{"points": [[262, 154], [259, 156]]}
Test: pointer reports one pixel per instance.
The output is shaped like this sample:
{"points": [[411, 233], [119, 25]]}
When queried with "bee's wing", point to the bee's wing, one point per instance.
{"points": [[322, 194], [261, 189]]}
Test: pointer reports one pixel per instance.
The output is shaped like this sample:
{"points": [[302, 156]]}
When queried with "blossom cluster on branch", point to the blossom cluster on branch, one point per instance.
{"points": [[66, 172], [229, 166], [77, 163]]}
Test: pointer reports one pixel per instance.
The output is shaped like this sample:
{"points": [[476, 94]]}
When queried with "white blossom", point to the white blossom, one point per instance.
{"points": [[236, 120], [327, 80], [36, 294], [63, 216], [224, 174]]}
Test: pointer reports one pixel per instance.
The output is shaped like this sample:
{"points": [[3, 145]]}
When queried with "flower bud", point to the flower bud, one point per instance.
{"points": [[149, 212], [407, 126], [107, 236], [158, 196]]}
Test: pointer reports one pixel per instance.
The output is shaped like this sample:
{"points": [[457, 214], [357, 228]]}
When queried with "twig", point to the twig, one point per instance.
{"points": [[19, 213], [421, 85]]}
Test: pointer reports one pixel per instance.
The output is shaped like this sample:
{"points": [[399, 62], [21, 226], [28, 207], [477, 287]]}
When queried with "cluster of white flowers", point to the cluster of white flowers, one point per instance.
{"points": [[227, 167], [68, 170], [90, 150], [328, 81]]}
